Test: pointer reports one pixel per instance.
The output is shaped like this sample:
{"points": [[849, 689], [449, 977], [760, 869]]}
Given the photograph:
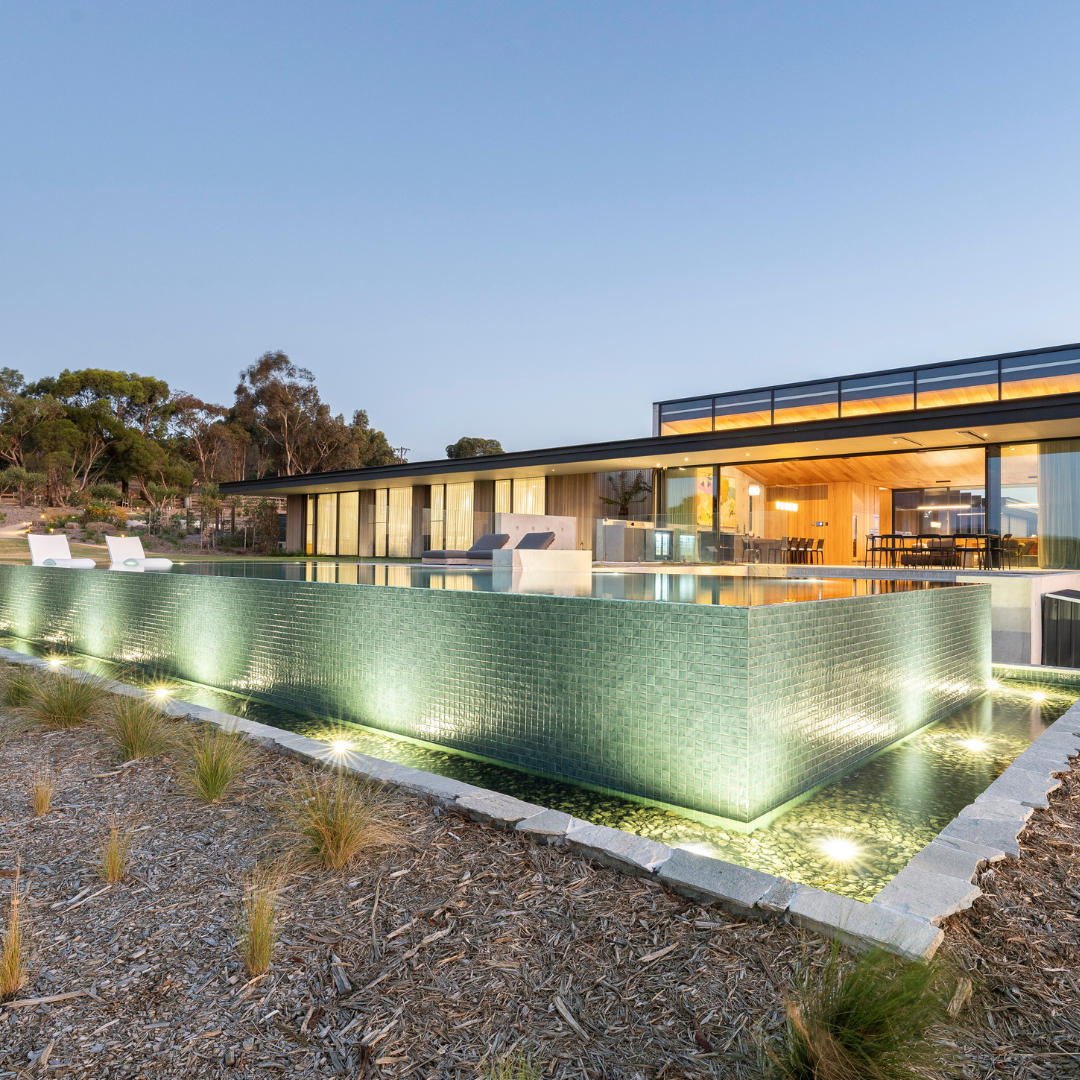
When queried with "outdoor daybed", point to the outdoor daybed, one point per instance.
{"points": [[479, 552]]}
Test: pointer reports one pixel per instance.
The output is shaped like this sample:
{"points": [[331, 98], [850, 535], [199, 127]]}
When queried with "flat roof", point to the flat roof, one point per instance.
{"points": [[1019, 420]]}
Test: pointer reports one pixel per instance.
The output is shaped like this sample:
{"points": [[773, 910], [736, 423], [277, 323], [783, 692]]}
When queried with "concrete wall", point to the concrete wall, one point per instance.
{"points": [[517, 525], [729, 711]]}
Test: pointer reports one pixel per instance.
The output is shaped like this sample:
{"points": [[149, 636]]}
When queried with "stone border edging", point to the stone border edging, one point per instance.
{"points": [[903, 918]]}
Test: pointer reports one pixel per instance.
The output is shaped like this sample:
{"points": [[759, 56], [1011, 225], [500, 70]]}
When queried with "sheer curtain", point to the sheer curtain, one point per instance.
{"points": [[1059, 504]]}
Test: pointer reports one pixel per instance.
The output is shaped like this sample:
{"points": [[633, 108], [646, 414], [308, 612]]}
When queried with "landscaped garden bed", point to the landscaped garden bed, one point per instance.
{"points": [[446, 947]]}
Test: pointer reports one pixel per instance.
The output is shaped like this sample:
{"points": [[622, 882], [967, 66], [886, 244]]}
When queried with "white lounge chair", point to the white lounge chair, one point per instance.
{"points": [[51, 549], [126, 553]]}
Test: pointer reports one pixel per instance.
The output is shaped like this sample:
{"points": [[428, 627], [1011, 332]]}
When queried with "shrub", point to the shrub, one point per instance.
{"points": [[867, 1017], [112, 856], [12, 961], [216, 757], [42, 789], [334, 819], [266, 528], [258, 918], [137, 728], [60, 701]]}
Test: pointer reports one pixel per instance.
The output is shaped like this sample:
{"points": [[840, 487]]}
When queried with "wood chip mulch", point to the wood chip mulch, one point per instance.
{"points": [[459, 946]]}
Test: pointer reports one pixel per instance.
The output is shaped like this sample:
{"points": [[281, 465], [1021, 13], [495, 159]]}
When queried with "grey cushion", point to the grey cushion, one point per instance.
{"points": [[489, 542], [446, 555], [536, 541]]}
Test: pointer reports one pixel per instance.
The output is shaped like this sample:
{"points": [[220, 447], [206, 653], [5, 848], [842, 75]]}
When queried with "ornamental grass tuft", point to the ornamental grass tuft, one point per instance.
{"points": [[513, 1067], [335, 820], [216, 757], [257, 928], [17, 687], [860, 1018], [112, 857], [42, 788], [60, 701], [12, 960], [137, 728]]}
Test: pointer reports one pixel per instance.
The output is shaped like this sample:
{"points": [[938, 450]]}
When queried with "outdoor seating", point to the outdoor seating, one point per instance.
{"points": [[479, 552], [126, 553], [535, 541], [52, 550]]}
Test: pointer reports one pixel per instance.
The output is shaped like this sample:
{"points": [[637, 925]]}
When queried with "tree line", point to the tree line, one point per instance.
{"points": [[65, 435]]}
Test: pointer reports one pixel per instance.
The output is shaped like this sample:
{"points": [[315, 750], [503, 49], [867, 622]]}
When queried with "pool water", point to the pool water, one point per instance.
{"points": [[719, 589], [852, 836]]}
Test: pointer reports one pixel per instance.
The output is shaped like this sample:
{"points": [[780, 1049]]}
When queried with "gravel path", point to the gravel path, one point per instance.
{"points": [[459, 944]]}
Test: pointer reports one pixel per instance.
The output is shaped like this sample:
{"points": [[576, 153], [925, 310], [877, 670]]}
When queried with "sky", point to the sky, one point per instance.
{"points": [[528, 221]]}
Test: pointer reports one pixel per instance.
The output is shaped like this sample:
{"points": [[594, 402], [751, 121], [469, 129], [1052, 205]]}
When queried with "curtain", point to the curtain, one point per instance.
{"points": [[327, 525], [459, 516], [1059, 504], [529, 495], [399, 523], [348, 523]]}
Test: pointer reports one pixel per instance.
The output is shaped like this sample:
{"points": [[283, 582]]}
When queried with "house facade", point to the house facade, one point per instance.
{"points": [[983, 451]]}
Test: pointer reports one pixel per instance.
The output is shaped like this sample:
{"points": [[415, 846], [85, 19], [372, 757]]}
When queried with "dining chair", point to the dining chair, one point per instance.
{"points": [[819, 551]]}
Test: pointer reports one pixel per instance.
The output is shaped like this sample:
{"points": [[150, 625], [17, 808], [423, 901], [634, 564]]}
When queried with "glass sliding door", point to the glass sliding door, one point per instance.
{"points": [[349, 523], [309, 526], [459, 516], [502, 496], [399, 523], [529, 495], [327, 544], [381, 503], [438, 517]]}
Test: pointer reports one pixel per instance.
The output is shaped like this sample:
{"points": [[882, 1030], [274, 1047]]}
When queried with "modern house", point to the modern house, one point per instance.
{"points": [[969, 451]]}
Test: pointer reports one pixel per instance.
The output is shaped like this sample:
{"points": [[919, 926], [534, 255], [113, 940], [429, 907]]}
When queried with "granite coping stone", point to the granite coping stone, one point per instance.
{"points": [[550, 826], [503, 811], [618, 848], [989, 833], [985, 851], [993, 806], [1024, 786], [927, 894], [864, 925], [778, 896], [734, 886], [947, 860]]}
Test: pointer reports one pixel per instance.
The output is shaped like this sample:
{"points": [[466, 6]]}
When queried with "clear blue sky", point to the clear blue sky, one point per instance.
{"points": [[527, 221]]}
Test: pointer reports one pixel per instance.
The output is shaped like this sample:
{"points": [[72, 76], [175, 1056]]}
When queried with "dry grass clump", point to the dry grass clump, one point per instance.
{"points": [[513, 1067], [42, 788], [216, 757], [112, 857], [12, 961], [17, 687], [137, 728], [257, 923], [860, 1019], [335, 819], [60, 701]]}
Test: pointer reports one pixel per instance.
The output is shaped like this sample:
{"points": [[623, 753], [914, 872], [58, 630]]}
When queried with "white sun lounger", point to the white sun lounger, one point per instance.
{"points": [[126, 553], [51, 549]]}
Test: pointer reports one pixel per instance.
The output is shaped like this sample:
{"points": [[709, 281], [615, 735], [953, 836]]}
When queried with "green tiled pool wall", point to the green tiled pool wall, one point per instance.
{"points": [[663, 701], [832, 683]]}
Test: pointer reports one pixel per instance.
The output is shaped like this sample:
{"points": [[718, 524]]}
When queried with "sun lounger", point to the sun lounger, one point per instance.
{"points": [[126, 553], [535, 541], [51, 549], [479, 552]]}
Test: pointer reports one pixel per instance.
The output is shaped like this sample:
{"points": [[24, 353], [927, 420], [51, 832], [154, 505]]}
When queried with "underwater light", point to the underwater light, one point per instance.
{"points": [[993, 684], [340, 746], [840, 850], [55, 661], [161, 692], [1038, 695], [976, 746]]}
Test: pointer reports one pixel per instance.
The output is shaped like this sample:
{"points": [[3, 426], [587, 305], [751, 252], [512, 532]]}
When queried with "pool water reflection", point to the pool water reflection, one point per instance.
{"points": [[718, 589]]}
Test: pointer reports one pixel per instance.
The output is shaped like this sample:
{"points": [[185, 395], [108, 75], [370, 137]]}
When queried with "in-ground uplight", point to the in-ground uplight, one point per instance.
{"points": [[840, 849]]}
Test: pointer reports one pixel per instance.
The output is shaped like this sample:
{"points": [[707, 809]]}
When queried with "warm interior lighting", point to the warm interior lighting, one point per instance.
{"points": [[946, 506], [935, 524], [787, 506], [839, 849], [976, 746], [754, 489]]}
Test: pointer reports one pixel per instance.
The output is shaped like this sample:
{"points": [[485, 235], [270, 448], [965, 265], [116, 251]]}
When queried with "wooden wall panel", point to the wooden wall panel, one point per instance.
{"points": [[421, 501], [573, 496], [365, 527]]}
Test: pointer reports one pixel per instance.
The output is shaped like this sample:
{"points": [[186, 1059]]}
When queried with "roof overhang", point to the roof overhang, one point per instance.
{"points": [[1026, 420]]}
